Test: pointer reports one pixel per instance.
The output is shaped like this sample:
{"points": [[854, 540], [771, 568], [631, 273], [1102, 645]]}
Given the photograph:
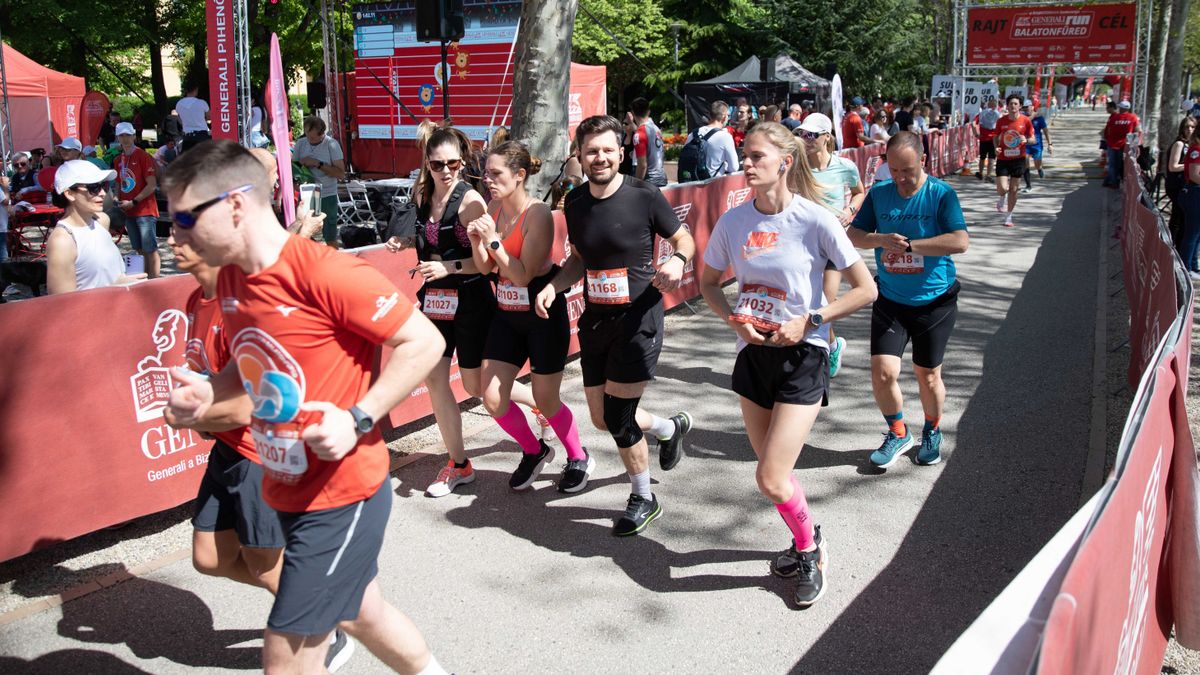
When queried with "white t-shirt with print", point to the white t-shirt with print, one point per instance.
{"points": [[785, 252]]}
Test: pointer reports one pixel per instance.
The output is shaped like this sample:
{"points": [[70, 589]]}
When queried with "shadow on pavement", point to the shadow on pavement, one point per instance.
{"points": [[537, 518], [154, 620], [1012, 476], [69, 661]]}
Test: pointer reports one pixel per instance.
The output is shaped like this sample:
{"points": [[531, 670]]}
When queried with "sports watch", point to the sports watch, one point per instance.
{"points": [[494, 244], [362, 421], [816, 319]]}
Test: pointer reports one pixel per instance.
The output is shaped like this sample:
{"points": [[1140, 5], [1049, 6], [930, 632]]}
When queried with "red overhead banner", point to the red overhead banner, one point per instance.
{"points": [[222, 74], [1083, 34]]}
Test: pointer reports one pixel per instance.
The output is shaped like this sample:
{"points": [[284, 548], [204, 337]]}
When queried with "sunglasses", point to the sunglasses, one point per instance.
{"points": [[810, 135], [186, 220], [438, 165], [22, 165], [92, 188]]}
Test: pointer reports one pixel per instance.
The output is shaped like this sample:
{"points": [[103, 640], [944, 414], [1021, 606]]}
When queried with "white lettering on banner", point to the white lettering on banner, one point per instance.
{"points": [[72, 123], [736, 197], [151, 383], [160, 441], [223, 79], [1133, 628]]}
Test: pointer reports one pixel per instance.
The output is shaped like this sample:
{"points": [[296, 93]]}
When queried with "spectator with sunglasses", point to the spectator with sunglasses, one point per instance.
{"points": [[24, 175], [323, 155], [80, 252]]}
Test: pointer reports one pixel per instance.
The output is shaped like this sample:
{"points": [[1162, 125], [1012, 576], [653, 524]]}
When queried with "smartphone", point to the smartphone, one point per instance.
{"points": [[310, 196], [134, 263]]}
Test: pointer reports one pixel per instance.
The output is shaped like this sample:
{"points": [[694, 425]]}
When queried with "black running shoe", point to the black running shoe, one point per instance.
{"points": [[575, 474], [340, 649], [638, 514], [788, 562], [810, 579], [670, 451], [530, 467], [979, 175]]}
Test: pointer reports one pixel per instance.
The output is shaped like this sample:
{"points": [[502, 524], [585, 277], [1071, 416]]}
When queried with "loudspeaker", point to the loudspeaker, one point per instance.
{"points": [[766, 69], [440, 20], [316, 95]]}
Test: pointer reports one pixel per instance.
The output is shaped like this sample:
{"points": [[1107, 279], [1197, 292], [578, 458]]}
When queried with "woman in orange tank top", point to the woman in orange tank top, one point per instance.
{"points": [[515, 239]]}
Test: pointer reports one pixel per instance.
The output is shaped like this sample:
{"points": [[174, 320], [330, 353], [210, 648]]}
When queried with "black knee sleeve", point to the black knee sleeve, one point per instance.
{"points": [[620, 416]]}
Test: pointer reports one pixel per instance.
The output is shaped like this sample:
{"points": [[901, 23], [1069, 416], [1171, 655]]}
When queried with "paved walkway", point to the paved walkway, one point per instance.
{"points": [[534, 582]]}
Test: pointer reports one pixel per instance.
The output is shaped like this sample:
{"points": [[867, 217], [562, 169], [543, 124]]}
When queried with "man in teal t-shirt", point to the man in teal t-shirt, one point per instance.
{"points": [[915, 223]]}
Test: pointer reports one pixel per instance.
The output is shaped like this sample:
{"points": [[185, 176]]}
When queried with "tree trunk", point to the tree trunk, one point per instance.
{"points": [[541, 85], [1172, 74], [1154, 83], [158, 85]]}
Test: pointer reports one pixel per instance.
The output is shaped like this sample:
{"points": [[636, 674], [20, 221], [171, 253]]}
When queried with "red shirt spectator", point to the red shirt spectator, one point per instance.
{"points": [[1192, 156], [1120, 124], [852, 128], [132, 171]]}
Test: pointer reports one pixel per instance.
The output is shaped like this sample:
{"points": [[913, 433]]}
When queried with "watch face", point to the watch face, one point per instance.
{"points": [[495, 245]]}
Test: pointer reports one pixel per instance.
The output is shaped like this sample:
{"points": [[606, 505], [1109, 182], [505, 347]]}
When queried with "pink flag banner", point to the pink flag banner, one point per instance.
{"points": [[278, 103]]}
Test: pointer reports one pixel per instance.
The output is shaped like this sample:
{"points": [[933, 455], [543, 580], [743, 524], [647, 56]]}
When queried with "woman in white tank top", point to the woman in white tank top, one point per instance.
{"points": [[80, 252]]}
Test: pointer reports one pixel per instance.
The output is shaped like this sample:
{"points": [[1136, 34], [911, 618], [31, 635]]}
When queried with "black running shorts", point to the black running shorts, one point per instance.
{"points": [[330, 558], [987, 150], [621, 346], [797, 375], [230, 498], [1014, 168], [467, 331], [516, 337], [929, 326]]}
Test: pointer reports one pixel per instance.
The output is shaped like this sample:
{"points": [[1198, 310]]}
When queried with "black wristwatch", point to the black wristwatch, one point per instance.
{"points": [[320, 164], [908, 249], [457, 265], [816, 319], [681, 256], [494, 244], [362, 421]]}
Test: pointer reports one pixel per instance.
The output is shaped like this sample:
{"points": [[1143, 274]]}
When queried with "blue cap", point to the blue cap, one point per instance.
{"points": [[858, 100]]}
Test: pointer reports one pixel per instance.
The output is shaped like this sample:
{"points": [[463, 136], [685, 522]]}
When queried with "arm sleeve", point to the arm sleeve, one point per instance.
{"points": [[716, 254], [835, 243], [359, 298], [950, 214], [865, 220], [663, 220], [640, 142]]}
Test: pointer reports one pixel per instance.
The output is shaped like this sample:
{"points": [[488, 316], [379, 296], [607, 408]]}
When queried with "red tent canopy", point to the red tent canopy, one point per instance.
{"points": [[43, 103]]}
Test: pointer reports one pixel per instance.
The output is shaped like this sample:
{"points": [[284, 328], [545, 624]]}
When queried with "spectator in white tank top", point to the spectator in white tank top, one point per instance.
{"points": [[80, 252]]}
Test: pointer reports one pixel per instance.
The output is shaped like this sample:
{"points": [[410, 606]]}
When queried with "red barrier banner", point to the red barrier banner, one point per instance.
{"points": [[1111, 614], [222, 74], [1149, 279], [1074, 34]]}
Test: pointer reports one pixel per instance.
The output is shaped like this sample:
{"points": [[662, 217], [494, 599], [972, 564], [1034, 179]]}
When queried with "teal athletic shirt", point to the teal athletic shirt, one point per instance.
{"points": [[932, 211]]}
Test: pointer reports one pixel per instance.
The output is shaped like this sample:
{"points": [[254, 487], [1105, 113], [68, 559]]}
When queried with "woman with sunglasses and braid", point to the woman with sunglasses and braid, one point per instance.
{"points": [[841, 191], [456, 296], [80, 253]]}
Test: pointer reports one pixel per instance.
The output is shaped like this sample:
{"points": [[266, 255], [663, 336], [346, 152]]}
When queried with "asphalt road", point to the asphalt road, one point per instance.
{"points": [[506, 583]]}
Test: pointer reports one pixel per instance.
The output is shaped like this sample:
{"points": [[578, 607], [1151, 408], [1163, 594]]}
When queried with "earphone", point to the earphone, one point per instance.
{"points": [[782, 168]]}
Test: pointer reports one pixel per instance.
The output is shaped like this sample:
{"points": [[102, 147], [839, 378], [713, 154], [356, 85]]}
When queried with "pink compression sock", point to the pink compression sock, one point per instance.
{"points": [[515, 424], [795, 514], [563, 424]]}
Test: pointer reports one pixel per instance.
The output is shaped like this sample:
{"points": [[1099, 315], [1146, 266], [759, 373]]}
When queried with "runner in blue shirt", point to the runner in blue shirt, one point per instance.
{"points": [[914, 223], [1041, 131]]}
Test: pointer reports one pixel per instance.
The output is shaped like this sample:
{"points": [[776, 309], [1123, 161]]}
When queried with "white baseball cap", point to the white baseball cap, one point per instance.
{"points": [[125, 129], [80, 172], [817, 123], [71, 143], [1124, 105]]}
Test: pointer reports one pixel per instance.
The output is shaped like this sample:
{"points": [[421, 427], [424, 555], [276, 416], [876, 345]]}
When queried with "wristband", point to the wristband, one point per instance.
{"points": [[681, 256]]}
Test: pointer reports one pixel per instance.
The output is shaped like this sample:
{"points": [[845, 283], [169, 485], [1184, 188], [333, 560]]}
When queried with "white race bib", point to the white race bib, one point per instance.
{"points": [[441, 304], [760, 306], [903, 263], [512, 298], [608, 287], [281, 451]]}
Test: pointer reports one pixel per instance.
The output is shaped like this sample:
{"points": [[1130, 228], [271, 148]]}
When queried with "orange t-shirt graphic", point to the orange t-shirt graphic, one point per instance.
{"points": [[1010, 136], [306, 329]]}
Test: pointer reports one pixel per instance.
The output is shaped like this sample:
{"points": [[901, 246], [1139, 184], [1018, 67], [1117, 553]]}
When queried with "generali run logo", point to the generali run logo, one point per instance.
{"points": [[736, 198], [151, 386]]}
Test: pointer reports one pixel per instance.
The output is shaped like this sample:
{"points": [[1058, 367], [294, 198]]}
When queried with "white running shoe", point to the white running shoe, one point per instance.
{"points": [[1000, 205], [1008, 221], [449, 478]]}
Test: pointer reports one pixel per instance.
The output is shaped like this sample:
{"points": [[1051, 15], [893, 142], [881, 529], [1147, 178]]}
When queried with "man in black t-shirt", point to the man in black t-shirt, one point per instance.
{"points": [[904, 116], [611, 227]]}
